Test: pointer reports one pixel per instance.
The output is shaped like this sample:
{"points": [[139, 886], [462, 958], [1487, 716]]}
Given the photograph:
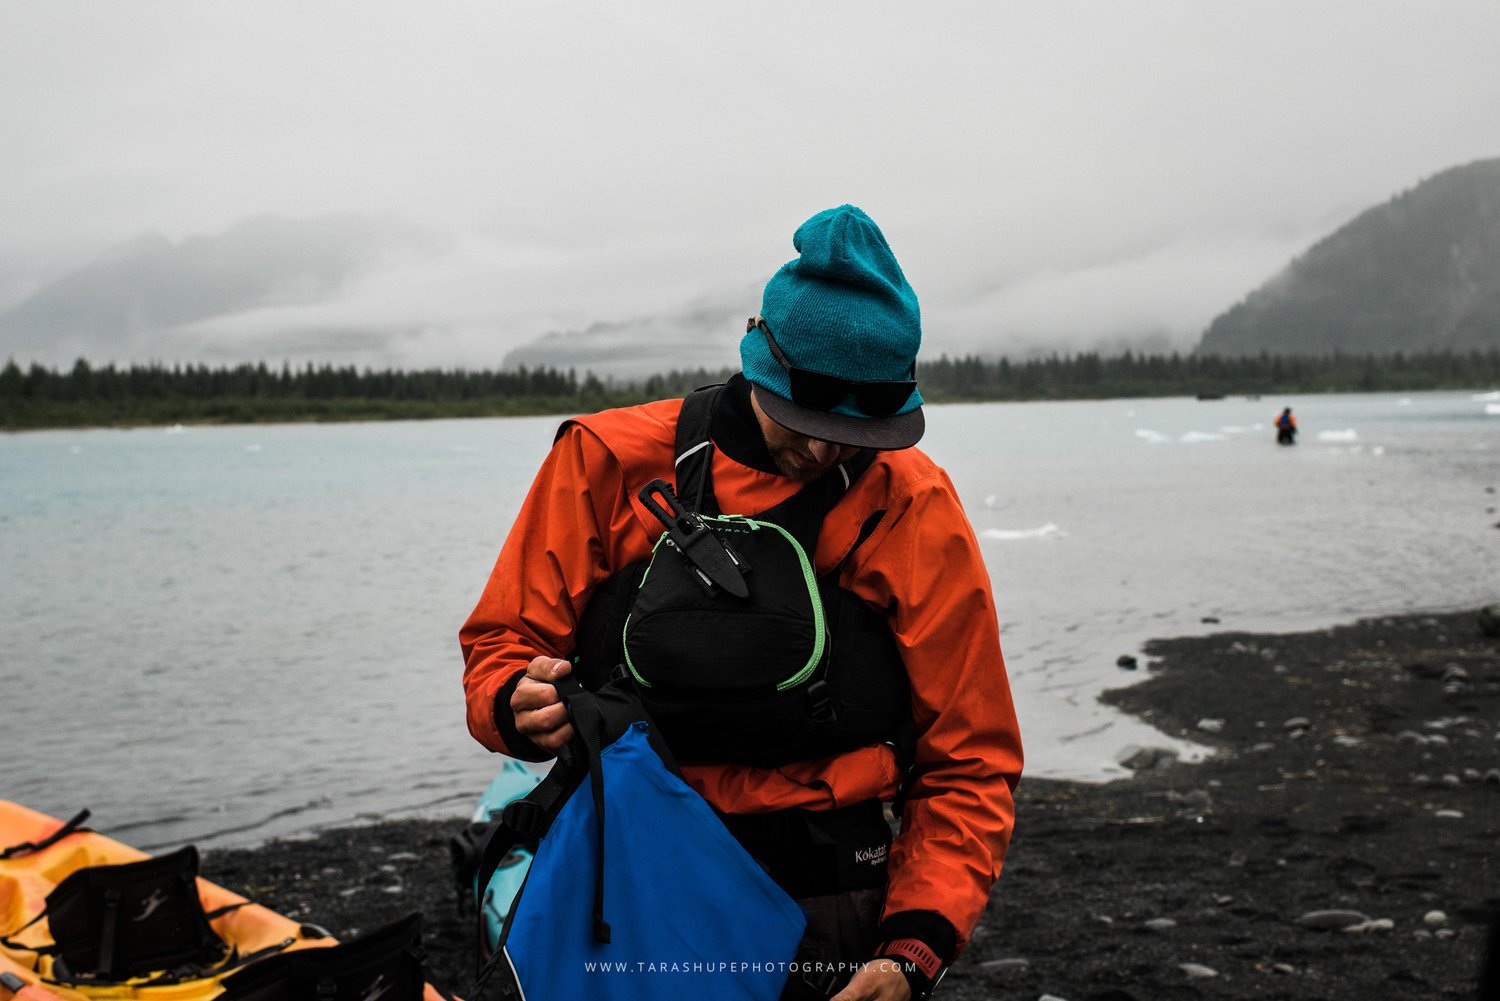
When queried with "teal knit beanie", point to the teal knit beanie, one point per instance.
{"points": [[842, 308]]}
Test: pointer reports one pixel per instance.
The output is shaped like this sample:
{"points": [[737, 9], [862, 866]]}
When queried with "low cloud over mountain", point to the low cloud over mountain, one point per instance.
{"points": [[1418, 273], [699, 335], [142, 299]]}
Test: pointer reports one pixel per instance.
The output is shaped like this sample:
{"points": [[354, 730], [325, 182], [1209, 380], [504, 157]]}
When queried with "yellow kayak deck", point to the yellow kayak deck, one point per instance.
{"points": [[26, 880]]}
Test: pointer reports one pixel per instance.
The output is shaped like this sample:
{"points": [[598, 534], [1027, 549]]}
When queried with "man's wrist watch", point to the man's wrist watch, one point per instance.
{"points": [[922, 966]]}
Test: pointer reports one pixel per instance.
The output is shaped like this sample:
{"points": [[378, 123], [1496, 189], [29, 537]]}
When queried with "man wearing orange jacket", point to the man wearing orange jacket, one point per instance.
{"points": [[911, 707]]}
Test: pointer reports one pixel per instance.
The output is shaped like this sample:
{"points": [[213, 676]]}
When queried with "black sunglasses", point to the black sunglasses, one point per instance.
{"points": [[821, 391]]}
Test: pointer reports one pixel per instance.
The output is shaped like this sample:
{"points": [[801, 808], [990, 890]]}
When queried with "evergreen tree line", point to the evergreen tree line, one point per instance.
{"points": [[86, 394], [1093, 376]]}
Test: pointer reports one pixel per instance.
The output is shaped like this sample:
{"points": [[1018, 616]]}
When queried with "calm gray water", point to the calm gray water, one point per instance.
{"points": [[225, 634]]}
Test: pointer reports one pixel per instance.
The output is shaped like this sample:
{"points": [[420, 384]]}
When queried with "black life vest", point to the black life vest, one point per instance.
{"points": [[797, 670]]}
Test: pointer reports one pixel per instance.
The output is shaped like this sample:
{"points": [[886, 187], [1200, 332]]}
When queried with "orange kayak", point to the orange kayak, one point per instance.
{"points": [[27, 879]]}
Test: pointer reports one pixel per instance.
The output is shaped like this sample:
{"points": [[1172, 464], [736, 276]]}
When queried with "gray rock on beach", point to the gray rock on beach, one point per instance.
{"points": [[1374, 925], [1140, 759], [1332, 919], [1196, 800]]}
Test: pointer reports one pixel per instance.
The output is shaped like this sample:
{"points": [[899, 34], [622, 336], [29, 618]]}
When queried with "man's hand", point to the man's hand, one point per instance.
{"points": [[877, 980], [540, 715]]}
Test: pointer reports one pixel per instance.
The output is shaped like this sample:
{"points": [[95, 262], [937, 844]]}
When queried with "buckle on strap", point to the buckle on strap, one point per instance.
{"points": [[820, 702], [524, 818]]}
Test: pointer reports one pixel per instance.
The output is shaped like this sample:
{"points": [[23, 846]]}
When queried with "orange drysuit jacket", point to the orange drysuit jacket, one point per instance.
{"points": [[582, 522]]}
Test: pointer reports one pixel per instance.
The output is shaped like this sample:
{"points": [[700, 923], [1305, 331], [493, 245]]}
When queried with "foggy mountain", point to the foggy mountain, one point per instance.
{"points": [[699, 335], [1419, 273], [128, 303]]}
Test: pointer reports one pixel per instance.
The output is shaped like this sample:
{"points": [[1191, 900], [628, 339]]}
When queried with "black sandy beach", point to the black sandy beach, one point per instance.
{"points": [[1342, 843]]}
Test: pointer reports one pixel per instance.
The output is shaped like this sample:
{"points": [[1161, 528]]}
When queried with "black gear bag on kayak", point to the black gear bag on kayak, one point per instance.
{"points": [[738, 649], [110, 923]]}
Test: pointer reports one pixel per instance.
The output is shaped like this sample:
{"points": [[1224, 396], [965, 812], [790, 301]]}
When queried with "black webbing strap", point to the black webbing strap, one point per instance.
{"points": [[819, 694], [589, 725], [40, 950], [524, 820], [219, 912], [692, 460], [191, 971], [106, 962], [236, 961], [28, 847]]}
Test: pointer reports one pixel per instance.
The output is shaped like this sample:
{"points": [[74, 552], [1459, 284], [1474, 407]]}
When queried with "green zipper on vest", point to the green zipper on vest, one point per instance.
{"points": [[811, 580], [625, 629]]}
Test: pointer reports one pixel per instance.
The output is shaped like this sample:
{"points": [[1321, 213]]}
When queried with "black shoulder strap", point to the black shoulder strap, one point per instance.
{"points": [[693, 455], [525, 820], [801, 514]]}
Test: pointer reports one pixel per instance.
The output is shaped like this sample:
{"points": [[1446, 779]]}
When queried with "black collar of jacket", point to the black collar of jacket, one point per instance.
{"points": [[735, 430]]}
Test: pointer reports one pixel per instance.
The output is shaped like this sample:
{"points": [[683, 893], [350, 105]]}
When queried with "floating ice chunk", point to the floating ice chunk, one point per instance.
{"points": [[1011, 534], [1348, 434], [176, 429], [1196, 437], [1492, 408], [1482, 397], [991, 500], [1405, 401], [1154, 437]]}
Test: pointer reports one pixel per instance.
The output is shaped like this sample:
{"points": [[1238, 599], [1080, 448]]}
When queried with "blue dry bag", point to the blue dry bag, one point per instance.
{"points": [[637, 889]]}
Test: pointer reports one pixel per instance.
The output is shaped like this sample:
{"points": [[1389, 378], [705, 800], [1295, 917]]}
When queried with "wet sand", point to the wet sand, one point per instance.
{"points": [[1342, 842]]}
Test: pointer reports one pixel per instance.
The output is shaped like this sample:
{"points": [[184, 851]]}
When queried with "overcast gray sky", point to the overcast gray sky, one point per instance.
{"points": [[1048, 173]]}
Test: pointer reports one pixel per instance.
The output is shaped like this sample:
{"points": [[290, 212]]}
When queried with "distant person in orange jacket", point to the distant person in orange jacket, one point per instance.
{"points": [[917, 708], [1286, 428]]}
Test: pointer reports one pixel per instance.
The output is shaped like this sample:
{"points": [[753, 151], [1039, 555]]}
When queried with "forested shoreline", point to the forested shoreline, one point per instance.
{"points": [[109, 395]]}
